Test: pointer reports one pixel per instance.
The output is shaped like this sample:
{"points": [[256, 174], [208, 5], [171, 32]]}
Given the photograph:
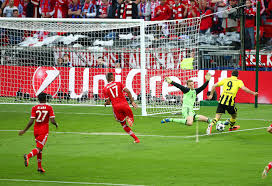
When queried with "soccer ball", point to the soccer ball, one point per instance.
{"points": [[220, 126]]}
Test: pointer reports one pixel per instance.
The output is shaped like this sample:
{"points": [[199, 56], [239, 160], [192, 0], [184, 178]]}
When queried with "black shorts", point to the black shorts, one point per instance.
{"points": [[221, 109]]}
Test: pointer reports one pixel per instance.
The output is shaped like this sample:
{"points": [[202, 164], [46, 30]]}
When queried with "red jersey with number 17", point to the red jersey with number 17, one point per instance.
{"points": [[41, 113], [114, 91]]}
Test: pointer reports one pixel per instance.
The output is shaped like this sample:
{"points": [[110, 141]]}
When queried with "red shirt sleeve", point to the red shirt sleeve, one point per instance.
{"points": [[51, 112]]}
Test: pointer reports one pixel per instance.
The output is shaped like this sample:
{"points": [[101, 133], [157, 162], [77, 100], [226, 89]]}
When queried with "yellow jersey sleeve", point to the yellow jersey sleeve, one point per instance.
{"points": [[222, 82], [241, 84]]}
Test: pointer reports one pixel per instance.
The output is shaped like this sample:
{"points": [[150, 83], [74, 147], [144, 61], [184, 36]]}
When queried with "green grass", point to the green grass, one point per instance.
{"points": [[169, 157]]}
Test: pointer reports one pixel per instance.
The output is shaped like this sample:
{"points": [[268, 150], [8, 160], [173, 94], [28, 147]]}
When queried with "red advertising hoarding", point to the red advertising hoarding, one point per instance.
{"points": [[92, 80]]}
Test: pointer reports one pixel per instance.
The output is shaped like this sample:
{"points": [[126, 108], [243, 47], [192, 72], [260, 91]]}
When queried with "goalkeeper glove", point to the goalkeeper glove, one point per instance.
{"points": [[208, 76], [168, 80]]}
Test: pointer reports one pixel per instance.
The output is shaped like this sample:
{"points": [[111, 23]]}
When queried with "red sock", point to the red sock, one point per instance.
{"points": [[34, 152], [128, 130], [270, 165], [39, 158]]}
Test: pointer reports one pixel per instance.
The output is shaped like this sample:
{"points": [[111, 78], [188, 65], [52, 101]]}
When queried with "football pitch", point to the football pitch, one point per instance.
{"points": [[91, 148]]}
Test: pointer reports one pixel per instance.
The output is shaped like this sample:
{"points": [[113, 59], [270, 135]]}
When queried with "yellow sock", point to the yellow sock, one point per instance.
{"points": [[214, 121], [232, 121]]}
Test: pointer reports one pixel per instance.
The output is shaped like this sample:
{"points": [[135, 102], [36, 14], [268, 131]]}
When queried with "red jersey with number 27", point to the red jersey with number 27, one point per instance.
{"points": [[114, 91], [41, 113]]}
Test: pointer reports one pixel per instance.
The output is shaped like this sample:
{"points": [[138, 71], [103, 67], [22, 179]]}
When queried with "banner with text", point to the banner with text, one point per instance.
{"points": [[91, 81]]}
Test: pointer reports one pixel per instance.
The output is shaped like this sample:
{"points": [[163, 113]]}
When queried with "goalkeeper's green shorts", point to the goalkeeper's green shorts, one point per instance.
{"points": [[186, 111]]}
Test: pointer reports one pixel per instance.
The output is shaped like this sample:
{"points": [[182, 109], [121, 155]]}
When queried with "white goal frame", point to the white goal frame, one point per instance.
{"points": [[10, 23]]}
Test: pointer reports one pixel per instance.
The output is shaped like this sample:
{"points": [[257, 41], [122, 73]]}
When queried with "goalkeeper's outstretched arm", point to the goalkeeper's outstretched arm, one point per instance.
{"points": [[200, 89], [207, 77], [179, 86]]}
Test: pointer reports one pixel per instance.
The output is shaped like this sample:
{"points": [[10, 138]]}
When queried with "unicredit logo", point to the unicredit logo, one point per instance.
{"points": [[46, 79]]}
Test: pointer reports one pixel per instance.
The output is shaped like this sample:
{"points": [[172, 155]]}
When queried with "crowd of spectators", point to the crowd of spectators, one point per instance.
{"points": [[154, 10], [125, 9]]}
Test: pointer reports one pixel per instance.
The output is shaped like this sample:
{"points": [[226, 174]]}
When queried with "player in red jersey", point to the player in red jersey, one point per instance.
{"points": [[113, 93], [41, 113], [269, 166]]}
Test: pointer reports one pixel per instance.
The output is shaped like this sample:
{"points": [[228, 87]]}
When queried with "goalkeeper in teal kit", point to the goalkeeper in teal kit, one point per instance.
{"points": [[189, 98]]}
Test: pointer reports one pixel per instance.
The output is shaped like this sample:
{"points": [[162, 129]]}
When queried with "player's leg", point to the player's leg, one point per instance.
{"points": [[216, 119], [266, 170], [33, 153], [219, 111], [190, 116], [129, 131], [40, 144], [130, 120], [232, 110], [213, 122], [189, 120], [182, 120], [176, 120], [202, 118], [39, 159], [121, 114]]}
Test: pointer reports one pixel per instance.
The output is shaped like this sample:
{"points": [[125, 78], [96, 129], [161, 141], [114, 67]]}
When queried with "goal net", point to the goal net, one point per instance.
{"points": [[68, 60], [173, 53]]}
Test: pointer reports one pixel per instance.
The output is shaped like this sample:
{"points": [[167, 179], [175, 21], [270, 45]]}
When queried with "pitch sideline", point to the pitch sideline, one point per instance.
{"points": [[143, 135], [67, 182]]}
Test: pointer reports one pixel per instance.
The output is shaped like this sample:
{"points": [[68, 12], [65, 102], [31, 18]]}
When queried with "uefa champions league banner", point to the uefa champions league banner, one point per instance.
{"points": [[78, 81]]}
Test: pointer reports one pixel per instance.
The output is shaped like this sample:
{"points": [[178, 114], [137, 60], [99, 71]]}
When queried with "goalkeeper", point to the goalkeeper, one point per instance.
{"points": [[189, 98]]}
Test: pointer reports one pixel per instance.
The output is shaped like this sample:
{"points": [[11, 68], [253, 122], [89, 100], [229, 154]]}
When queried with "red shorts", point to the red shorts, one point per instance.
{"points": [[121, 112], [41, 140]]}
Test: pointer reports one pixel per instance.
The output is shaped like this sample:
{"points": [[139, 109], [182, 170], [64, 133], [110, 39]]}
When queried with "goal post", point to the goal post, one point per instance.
{"points": [[68, 59], [174, 51]]}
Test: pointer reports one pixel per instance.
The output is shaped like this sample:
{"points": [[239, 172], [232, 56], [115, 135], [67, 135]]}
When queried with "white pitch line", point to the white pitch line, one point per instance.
{"points": [[155, 116], [144, 135], [67, 182]]}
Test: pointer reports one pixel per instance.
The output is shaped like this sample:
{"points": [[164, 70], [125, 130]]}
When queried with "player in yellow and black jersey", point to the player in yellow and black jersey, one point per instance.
{"points": [[227, 99]]}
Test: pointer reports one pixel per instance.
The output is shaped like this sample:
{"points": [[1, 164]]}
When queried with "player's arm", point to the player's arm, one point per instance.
{"points": [[52, 117], [249, 91], [107, 102], [179, 86], [30, 123], [213, 90], [130, 98], [200, 89], [53, 121], [107, 98], [269, 129], [207, 77]]}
